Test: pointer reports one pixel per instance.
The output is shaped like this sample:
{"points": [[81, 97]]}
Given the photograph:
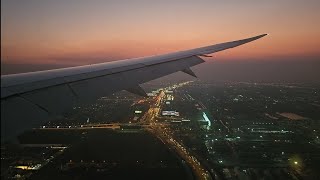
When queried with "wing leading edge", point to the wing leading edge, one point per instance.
{"points": [[30, 99]]}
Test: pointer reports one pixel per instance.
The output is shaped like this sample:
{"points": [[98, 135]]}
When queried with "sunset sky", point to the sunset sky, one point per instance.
{"points": [[77, 32]]}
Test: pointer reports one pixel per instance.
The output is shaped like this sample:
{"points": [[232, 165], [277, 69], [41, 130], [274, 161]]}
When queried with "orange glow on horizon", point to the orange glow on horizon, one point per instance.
{"points": [[94, 32], [265, 47]]}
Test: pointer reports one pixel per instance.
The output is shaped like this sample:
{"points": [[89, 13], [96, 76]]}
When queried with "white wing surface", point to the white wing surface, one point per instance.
{"points": [[28, 100]]}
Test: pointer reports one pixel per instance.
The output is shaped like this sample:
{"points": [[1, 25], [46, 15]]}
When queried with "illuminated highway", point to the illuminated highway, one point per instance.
{"points": [[162, 131], [166, 137]]}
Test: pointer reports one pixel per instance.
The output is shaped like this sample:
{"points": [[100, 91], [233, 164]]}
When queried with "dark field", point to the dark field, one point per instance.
{"points": [[106, 154]]}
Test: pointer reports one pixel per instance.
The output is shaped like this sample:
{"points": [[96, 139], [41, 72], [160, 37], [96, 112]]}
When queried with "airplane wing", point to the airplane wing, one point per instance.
{"points": [[28, 100]]}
